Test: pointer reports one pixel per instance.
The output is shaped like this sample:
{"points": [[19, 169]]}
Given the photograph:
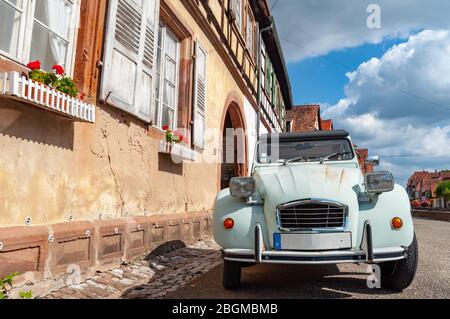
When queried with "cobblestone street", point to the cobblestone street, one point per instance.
{"points": [[149, 277]]}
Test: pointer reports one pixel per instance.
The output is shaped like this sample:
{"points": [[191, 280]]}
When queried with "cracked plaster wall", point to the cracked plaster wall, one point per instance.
{"points": [[51, 167]]}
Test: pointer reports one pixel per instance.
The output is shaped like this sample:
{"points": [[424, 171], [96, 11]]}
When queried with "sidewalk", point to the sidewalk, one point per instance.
{"points": [[150, 277]]}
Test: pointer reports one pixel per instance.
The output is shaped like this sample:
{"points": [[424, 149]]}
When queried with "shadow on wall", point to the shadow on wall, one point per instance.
{"points": [[29, 123], [166, 164], [165, 248]]}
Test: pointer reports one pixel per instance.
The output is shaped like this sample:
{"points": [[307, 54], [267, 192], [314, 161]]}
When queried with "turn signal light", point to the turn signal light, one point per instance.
{"points": [[228, 223], [397, 223]]}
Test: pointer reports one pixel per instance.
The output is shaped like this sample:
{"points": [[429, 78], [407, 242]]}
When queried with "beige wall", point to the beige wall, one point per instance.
{"points": [[51, 167]]}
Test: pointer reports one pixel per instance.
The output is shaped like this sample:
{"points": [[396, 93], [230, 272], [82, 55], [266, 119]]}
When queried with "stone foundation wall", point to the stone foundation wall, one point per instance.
{"points": [[58, 250], [432, 214]]}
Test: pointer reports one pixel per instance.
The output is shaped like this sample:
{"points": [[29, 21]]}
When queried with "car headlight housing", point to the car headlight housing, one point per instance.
{"points": [[242, 186], [379, 182]]}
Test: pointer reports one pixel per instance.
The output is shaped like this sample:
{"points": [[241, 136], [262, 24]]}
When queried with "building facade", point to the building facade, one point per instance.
{"points": [[91, 179]]}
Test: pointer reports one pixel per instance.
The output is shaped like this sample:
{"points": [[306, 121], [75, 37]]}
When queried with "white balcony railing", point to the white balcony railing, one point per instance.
{"points": [[19, 87], [177, 151]]}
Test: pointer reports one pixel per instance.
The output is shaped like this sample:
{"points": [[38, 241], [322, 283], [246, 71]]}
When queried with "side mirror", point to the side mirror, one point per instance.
{"points": [[372, 161]]}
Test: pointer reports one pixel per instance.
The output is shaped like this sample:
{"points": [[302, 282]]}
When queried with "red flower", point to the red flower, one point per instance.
{"points": [[82, 96], [34, 65], [180, 138], [58, 69], [165, 127]]}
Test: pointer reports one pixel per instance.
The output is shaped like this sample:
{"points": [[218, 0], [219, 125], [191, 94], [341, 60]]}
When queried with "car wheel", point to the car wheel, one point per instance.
{"points": [[231, 274], [399, 274]]}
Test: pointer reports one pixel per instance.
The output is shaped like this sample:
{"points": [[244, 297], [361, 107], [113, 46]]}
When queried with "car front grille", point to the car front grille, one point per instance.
{"points": [[310, 214]]}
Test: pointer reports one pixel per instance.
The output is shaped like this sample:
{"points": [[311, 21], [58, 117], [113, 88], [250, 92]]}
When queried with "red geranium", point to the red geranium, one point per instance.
{"points": [[180, 138], [425, 204], [165, 127], [415, 203], [34, 65], [58, 69]]}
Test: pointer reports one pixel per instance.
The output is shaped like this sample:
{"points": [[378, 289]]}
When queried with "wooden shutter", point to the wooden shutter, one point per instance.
{"points": [[199, 95], [129, 61]]}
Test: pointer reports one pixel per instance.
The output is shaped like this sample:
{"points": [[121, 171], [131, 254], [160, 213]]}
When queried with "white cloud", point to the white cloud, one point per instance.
{"points": [[379, 116], [324, 26]]}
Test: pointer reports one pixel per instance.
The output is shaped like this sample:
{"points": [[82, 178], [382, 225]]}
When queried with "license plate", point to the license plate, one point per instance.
{"points": [[320, 241]]}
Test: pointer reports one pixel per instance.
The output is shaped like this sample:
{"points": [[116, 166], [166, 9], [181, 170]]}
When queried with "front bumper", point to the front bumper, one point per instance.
{"points": [[366, 253]]}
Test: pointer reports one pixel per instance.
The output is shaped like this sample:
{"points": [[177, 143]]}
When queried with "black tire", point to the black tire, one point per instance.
{"points": [[398, 275], [231, 274]]}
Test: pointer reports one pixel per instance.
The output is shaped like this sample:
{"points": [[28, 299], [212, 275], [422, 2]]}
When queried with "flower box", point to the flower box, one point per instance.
{"points": [[19, 87], [177, 151]]}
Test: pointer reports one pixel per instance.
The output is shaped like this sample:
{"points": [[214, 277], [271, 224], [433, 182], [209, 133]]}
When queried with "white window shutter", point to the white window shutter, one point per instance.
{"points": [[128, 66], [236, 7], [147, 60], [199, 95]]}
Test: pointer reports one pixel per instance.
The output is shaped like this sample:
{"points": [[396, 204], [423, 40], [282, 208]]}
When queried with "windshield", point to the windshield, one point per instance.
{"points": [[305, 151]]}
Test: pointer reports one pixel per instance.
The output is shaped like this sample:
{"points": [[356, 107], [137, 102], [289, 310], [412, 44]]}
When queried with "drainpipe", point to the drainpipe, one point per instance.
{"points": [[258, 116]]}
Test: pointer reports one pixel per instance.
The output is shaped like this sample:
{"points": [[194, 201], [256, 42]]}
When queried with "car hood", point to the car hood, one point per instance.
{"points": [[279, 185]]}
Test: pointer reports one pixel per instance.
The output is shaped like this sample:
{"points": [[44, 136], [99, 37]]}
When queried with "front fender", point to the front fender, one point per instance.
{"points": [[245, 219], [380, 212]]}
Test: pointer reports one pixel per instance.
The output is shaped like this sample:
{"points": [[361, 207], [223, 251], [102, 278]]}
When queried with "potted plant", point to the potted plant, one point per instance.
{"points": [[56, 79], [172, 137]]}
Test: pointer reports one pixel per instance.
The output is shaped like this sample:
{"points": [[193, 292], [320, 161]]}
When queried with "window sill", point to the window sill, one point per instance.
{"points": [[178, 151], [21, 89]]}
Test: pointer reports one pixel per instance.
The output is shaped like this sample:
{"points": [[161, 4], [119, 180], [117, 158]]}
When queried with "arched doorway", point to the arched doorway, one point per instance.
{"points": [[234, 145]]}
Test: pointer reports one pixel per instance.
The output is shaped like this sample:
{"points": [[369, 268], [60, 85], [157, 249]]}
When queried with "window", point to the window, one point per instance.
{"points": [[236, 9], [39, 30], [166, 86], [305, 151], [288, 126], [268, 73], [250, 32], [263, 65]]}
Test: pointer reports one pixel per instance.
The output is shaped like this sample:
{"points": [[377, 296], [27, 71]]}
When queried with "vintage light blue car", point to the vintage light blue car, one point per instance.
{"points": [[308, 202]]}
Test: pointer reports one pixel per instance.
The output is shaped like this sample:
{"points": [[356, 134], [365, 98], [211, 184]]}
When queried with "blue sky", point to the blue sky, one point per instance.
{"points": [[322, 78], [388, 86]]}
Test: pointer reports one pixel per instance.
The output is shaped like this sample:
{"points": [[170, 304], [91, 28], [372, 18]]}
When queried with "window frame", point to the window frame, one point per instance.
{"points": [[26, 32], [241, 23], [249, 16], [158, 103]]}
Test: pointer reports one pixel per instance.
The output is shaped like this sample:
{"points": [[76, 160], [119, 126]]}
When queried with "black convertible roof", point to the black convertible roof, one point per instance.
{"points": [[317, 135]]}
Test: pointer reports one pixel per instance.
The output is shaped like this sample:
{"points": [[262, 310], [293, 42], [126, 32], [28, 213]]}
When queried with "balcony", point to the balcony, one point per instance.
{"points": [[18, 87]]}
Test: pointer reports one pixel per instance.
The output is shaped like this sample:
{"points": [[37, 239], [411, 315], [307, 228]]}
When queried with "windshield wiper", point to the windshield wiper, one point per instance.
{"points": [[327, 158], [296, 159]]}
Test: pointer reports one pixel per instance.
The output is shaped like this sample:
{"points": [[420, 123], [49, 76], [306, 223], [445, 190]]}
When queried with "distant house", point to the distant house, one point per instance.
{"points": [[303, 118], [363, 154], [414, 184], [327, 125], [422, 186]]}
